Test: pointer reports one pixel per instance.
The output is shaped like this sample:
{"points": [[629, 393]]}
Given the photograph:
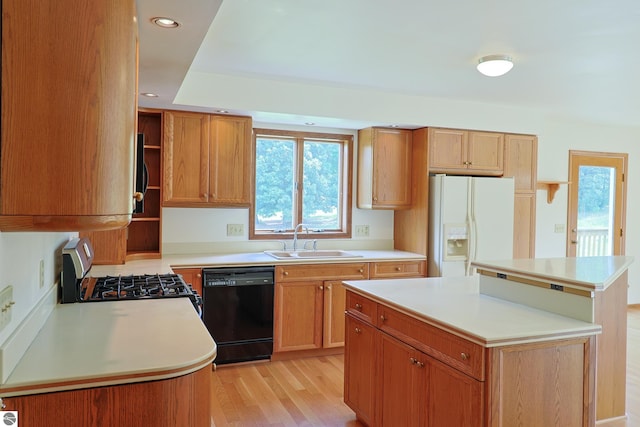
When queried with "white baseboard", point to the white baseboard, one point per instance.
{"points": [[16, 345]]}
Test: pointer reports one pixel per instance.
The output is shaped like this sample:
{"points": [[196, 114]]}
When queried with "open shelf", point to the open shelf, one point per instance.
{"points": [[552, 187]]}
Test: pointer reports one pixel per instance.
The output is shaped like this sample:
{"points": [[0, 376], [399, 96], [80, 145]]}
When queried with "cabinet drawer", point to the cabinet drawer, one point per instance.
{"points": [[348, 271], [456, 352], [378, 270], [361, 307]]}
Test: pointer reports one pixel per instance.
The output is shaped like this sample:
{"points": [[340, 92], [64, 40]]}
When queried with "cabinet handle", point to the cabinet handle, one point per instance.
{"points": [[358, 306], [360, 270], [574, 242], [398, 268], [198, 275], [358, 330], [383, 318], [321, 287], [285, 273], [413, 360], [138, 196], [464, 356], [420, 364]]}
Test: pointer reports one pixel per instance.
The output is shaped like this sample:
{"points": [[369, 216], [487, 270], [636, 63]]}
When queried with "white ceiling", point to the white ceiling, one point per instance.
{"points": [[578, 58]]}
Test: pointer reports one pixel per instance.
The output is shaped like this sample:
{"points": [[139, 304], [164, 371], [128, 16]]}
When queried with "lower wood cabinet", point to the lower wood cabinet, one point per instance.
{"points": [[402, 371], [192, 276]]}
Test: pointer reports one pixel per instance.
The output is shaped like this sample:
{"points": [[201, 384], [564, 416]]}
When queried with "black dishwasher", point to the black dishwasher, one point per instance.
{"points": [[237, 309]]}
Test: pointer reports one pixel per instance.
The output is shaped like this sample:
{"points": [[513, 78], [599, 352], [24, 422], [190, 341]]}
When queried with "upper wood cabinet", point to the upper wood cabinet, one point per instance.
{"points": [[68, 115], [521, 159], [384, 168], [466, 152], [207, 160]]}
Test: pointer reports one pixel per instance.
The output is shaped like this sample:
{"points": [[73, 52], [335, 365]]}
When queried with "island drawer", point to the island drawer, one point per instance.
{"points": [[347, 271], [361, 307], [455, 351], [381, 270]]}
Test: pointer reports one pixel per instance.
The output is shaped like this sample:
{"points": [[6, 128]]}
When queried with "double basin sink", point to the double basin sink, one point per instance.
{"points": [[311, 254]]}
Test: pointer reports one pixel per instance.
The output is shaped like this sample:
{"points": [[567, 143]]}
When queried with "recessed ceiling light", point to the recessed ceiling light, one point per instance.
{"points": [[165, 22], [394, 126], [222, 111], [309, 123], [495, 65], [149, 95]]}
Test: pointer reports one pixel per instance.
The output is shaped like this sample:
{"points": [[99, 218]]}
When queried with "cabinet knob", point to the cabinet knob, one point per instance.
{"points": [[413, 360], [464, 356], [285, 273], [138, 196], [420, 364], [329, 287], [398, 268], [360, 270], [358, 330], [198, 275], [383, 318], [321, 287], [358, 306]]}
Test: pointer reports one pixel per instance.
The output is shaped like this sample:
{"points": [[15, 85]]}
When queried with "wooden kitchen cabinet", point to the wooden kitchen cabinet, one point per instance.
{"points": [[360, 368], [524, 226], [68, 115], [310, 305], [388, 269], [192, 276], [465, 152], [427, 376], [142, 238], [207, 160], [384, 168]]}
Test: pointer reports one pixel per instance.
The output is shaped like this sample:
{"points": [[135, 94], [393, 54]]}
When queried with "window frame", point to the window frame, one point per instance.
{"points": [[346, 191]]}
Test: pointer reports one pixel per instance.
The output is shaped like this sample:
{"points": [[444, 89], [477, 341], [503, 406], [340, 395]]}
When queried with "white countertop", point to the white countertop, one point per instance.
{"points": [[115, 342], [164, 264], [590, 273], [455, 305]]}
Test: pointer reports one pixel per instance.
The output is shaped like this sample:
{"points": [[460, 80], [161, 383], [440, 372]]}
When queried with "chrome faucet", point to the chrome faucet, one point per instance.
{"points": [[295, 234]]}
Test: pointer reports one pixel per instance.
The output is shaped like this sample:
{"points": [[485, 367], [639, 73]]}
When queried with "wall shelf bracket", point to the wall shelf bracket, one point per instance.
{"points": [[551, 187]]}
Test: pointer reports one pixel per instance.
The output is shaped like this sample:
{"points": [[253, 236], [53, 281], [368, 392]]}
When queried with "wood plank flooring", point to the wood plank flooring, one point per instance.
{"points": [[308, 392]]}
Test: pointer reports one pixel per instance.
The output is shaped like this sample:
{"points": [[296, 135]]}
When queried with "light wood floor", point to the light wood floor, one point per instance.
{"points": [[308, 392]]}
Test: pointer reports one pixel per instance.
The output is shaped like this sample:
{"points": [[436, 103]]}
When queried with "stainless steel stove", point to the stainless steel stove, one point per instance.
{"points": [[77, 286]]}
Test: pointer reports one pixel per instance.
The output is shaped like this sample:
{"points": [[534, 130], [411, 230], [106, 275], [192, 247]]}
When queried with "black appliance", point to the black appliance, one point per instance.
{"points": [[238, 311], [142, 174], [77, 258]]}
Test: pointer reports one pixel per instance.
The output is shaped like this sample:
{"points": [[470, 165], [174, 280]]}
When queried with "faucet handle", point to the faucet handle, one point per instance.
{"points": [[284, 245], [314, 243]]}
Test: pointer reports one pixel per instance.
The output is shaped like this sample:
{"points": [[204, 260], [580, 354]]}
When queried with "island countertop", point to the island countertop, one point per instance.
{"points": [[454, 304], [112, 342], [594, 273]]}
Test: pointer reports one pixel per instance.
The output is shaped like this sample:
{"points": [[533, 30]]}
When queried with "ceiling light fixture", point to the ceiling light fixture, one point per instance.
{"points": [[149, 94], [495, 65], [165, 22], [222, 111]]}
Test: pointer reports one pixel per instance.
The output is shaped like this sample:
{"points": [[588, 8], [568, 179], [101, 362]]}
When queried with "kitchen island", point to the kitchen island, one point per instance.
{"points": [[137, 362], [443, 352]]}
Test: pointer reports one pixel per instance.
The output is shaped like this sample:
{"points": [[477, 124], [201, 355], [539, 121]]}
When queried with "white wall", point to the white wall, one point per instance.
{"points": [[556, 135], [20, 255]]}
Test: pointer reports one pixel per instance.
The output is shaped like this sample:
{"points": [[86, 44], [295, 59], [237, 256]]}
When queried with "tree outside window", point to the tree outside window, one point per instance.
{"points": [[301, 178]]}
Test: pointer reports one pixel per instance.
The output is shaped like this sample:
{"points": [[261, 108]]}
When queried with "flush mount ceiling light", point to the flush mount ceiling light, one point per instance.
{"points": [[149, 94], [495, 65], [165, 22]]}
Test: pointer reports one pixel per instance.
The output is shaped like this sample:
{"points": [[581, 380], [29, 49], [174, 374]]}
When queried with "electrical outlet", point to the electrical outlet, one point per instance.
{"points": [[558, 228], [362, 230], [41, 273], [6, 305], [235, 230]]}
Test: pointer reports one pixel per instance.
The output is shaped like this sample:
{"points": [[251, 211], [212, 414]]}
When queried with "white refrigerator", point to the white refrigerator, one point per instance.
{"points": [[470, 218]]}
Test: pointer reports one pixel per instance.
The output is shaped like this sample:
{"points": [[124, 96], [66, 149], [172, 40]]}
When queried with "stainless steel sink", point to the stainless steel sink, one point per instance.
{"points": [[317, 254]]}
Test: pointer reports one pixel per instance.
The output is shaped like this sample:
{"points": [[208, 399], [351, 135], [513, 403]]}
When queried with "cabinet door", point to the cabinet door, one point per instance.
{"points": [[298, 315], [359, 368], [391, 168], [402, 392], [520, 162], [333, 320], [192, 276], [486, 153], [524, 226], [109, 247], [383, 270], [454, 398], [447, 149], [230, 160], [186, 158]]}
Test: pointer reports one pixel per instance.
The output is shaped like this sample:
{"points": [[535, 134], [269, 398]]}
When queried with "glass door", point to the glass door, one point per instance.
{"points": [[596, 213]]}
